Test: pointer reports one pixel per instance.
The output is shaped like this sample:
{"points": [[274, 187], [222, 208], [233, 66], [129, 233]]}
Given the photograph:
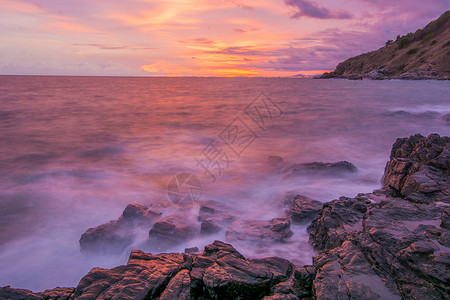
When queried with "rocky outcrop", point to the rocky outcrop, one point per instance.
{"points": [[260, 232], [300, 209], [320, 169], [393, 243], [421, 55], [220, 272]]}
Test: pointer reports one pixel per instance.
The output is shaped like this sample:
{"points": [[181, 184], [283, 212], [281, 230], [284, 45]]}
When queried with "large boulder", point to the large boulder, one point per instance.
{"points": [[300, 209], [320, 169], [419, 168], [115, 236], [393, 243], [260, 232]]}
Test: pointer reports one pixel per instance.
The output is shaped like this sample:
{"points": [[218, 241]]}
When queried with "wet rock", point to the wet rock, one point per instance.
{"points": [[215, 212], [191, 250], [419, 168], [209, 227], [446, 218], [22, 294], [115, 236], [167, 232], [219, 272], [300, 209], [179, 287], [260, 232], [109, 238], [389, 245], [320, 168]]}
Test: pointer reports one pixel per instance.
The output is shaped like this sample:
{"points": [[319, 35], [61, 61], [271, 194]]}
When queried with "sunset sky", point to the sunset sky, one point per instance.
{"points": [[199, 37]]}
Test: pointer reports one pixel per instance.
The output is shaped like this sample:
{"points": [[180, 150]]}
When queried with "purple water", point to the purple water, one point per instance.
{"points": [[76, 150]]}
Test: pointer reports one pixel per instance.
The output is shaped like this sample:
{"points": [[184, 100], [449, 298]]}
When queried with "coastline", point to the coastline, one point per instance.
{"points": [[391, 244]]}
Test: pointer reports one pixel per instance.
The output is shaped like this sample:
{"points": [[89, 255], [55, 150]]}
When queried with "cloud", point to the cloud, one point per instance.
{"points": [[313, 10], [111, 47]]}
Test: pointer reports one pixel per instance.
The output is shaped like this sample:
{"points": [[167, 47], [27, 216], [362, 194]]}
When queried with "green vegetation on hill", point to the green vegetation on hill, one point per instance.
{"points": [[422, 54]]}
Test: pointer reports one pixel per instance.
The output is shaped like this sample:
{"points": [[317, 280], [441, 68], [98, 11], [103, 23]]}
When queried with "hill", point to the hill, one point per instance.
{"points": [[424, 54]]}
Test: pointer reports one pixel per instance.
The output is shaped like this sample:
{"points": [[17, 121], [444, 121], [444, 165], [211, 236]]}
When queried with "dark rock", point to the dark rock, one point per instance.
{"points": [[179, 287], [21, 294], [209, 227], [389, 245], [191, 250], [446, 218], [260, 232], [419, 168], [300, 209], [106, 239], [220, 272], [167, 233], [115, 236], [18, 294], [320, 168], [377, 74]]}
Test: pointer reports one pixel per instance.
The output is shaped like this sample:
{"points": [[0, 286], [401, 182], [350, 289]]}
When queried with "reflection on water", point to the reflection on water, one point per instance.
{"points": [[76, 150]]}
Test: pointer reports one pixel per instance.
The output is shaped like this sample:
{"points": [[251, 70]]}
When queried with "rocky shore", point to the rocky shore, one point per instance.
{"points": [[424, 54], [393, 243]]}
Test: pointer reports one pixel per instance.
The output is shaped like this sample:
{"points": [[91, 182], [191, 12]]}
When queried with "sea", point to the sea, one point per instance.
{"points": [[74, 151]]}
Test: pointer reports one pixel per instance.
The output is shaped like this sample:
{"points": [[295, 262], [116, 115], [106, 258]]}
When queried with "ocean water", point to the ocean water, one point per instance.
{"points": [[74, 151]]}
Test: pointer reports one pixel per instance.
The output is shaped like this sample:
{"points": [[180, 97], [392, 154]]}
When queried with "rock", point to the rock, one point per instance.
{"points": [[260, 232], [377, 74], [115, 236], [446, 218], [215, 212], [21, 294], [209, 227], [191, 250], [179, 287], [166, 233], [320, 168], [389, 245], [18, 294], [109, 238], [300, 209], [220, 272], [419, 168]]}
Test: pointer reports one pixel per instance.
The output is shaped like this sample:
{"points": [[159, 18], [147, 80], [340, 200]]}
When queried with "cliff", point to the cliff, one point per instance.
{"points": [[424, 54]]}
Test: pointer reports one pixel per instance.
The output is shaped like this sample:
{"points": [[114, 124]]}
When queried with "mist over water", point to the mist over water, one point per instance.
{"points": [[76, 150]]}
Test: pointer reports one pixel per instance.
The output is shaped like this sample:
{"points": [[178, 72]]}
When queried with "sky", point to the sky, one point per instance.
{"points": [[199, 37]]}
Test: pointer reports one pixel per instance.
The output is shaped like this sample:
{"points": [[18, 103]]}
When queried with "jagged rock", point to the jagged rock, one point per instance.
{"points": [[215, 212], [106, 239], [320, 168], [209, 227], [220, 272], [115, 236], [179, 287], [168, 232], [22, 294], [377, 74], [260, 232], [300, 209], [388, 245], [419, 168], [191, 250]]}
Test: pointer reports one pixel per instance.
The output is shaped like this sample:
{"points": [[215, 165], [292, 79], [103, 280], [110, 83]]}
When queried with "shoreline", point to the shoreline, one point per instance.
{"points": [[392, 243]]}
